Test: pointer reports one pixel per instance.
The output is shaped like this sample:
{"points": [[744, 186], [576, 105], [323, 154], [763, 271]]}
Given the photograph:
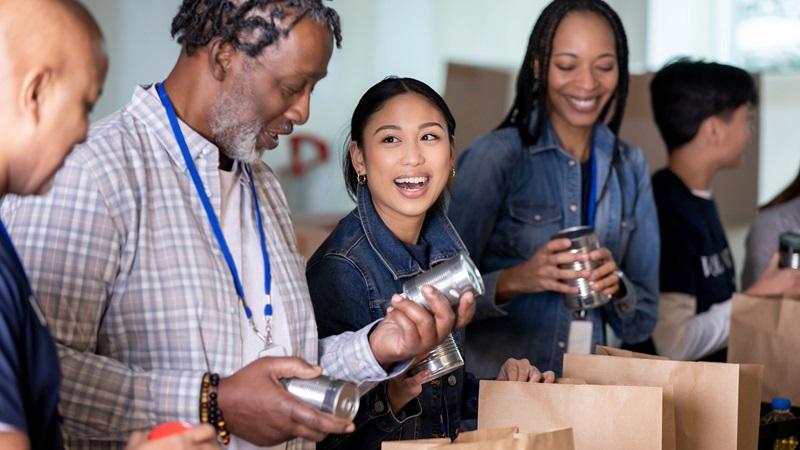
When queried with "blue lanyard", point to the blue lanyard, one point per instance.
{"points": [[591, 208], [212, 219]]}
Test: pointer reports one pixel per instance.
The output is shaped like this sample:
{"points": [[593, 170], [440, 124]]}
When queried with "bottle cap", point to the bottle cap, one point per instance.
{"points": [[781, 403], [167, 429]]}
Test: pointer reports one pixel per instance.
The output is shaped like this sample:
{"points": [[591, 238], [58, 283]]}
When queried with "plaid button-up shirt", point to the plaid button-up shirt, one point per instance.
{"points": [[135, 290]]}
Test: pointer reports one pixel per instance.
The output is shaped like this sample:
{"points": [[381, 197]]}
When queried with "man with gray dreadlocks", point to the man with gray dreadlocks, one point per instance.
{"points": [[164, 258]]}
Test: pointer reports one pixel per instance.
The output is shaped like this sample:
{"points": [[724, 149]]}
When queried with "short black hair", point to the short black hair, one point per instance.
{"points": [[531, 90], [249, 25], [684, 93], [372, 101]]}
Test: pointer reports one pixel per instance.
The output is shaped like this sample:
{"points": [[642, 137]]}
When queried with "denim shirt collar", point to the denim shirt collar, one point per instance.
{"points": [[436, 230], [604, 149]]}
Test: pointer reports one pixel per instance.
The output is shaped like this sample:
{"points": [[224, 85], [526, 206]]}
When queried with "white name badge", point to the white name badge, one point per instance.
{"points": [[580, 337], [273, 350]]}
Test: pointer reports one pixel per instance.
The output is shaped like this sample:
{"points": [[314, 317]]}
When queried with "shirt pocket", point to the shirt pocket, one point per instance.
{"points": [[530, 226], [626, 228]]}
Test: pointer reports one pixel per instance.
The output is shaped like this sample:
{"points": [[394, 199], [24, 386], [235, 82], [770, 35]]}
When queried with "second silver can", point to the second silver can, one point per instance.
{"points": [[337, 397], [583, 240]]}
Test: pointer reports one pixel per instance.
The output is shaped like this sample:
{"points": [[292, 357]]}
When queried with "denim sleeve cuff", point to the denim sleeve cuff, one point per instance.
{"points": [[625, 305], [385, 419], [486, 306]]}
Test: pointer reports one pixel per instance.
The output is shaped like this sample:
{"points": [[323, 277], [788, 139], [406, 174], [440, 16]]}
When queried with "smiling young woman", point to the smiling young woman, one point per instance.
{"points": [[397, 166], [555, 162]]}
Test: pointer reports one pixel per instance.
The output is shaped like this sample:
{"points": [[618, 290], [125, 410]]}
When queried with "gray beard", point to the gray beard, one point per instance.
{"points": [[236, 138], [238, 141]]}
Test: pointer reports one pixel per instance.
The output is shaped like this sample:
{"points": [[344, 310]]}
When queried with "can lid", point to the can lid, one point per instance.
{"points": [[781, 403], [473, 273], [790, 240], [347, 401], [573, 232]]}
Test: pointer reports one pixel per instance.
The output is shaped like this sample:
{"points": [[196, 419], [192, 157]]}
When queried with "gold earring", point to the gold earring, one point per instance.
{"points": [[453, 172], [362, 179]]}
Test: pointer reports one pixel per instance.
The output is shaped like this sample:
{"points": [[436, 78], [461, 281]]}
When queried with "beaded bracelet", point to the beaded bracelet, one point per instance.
{"points": [[209, 407]]}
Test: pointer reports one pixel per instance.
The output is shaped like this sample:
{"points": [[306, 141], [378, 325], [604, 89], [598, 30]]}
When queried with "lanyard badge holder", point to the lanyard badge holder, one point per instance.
{"points": [[266, 336], [336, 397]]}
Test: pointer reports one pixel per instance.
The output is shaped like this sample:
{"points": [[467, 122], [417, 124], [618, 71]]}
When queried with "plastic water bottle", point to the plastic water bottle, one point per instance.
{"points": [[781, 412]]}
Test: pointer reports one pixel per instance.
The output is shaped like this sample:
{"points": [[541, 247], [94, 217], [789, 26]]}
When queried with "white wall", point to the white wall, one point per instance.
{"points": [[780, 136], [138, 43]]}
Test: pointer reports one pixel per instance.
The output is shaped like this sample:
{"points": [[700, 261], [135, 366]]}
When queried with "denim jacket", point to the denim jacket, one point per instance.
{"points": [[351, 276], [510, 198]]}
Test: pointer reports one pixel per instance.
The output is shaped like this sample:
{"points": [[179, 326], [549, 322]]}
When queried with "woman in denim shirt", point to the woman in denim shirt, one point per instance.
{"points": [[397, 167], [532, 176]]}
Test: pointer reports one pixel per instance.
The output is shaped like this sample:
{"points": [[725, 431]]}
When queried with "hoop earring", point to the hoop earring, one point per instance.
{"points": [[453, 172], [361, 179]]}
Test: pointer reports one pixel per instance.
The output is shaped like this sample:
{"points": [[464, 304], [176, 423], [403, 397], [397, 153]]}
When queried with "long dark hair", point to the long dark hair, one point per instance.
{"points": [[790, 193], [372, 101], [532, 87]]}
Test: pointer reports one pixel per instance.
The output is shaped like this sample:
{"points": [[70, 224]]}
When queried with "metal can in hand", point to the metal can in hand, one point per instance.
{"points": [[453, 278], [583, 240], [789, 250], [337, 397]]}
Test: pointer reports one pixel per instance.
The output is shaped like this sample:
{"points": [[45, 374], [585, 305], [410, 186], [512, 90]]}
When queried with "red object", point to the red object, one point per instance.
{"points": [[300, 166], [167, 429]]}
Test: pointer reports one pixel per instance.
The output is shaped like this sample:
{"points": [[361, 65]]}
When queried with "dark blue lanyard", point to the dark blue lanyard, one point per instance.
{"points": [[591, 208], [212, 217]]}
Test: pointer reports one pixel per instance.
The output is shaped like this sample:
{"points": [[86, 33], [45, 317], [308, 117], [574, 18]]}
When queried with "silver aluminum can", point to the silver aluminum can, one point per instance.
{"points": [[789, 250], [584, 240], [452, 278], [337, 397], [442, 360]]}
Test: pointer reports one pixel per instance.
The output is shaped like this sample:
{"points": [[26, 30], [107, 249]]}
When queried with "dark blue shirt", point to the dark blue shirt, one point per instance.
{"points": [[695, 257], [350, 277], [28, 360]]}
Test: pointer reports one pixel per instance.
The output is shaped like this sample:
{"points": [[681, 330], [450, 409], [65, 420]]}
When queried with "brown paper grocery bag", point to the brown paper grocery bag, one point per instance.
{"points": [[765, 331], [716, 404], [492, 439], [502, 439], [486, 434], [418, 444], [601, 417], [611, 351]]}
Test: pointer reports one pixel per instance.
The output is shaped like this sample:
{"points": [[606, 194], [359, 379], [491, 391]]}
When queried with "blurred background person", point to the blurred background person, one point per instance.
{"points": [[779, 215], [703, 111]]}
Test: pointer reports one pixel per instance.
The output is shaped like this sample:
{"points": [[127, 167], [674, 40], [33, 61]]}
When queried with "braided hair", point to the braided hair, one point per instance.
{"points": [[531, 92], [249, 25]]}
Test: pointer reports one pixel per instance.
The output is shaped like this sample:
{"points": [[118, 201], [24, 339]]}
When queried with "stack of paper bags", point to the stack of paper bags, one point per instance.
{"points": [[716, 405]]}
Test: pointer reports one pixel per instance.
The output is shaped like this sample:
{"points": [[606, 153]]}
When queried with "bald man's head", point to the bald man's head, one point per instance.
{"points": [[53, 63]]}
